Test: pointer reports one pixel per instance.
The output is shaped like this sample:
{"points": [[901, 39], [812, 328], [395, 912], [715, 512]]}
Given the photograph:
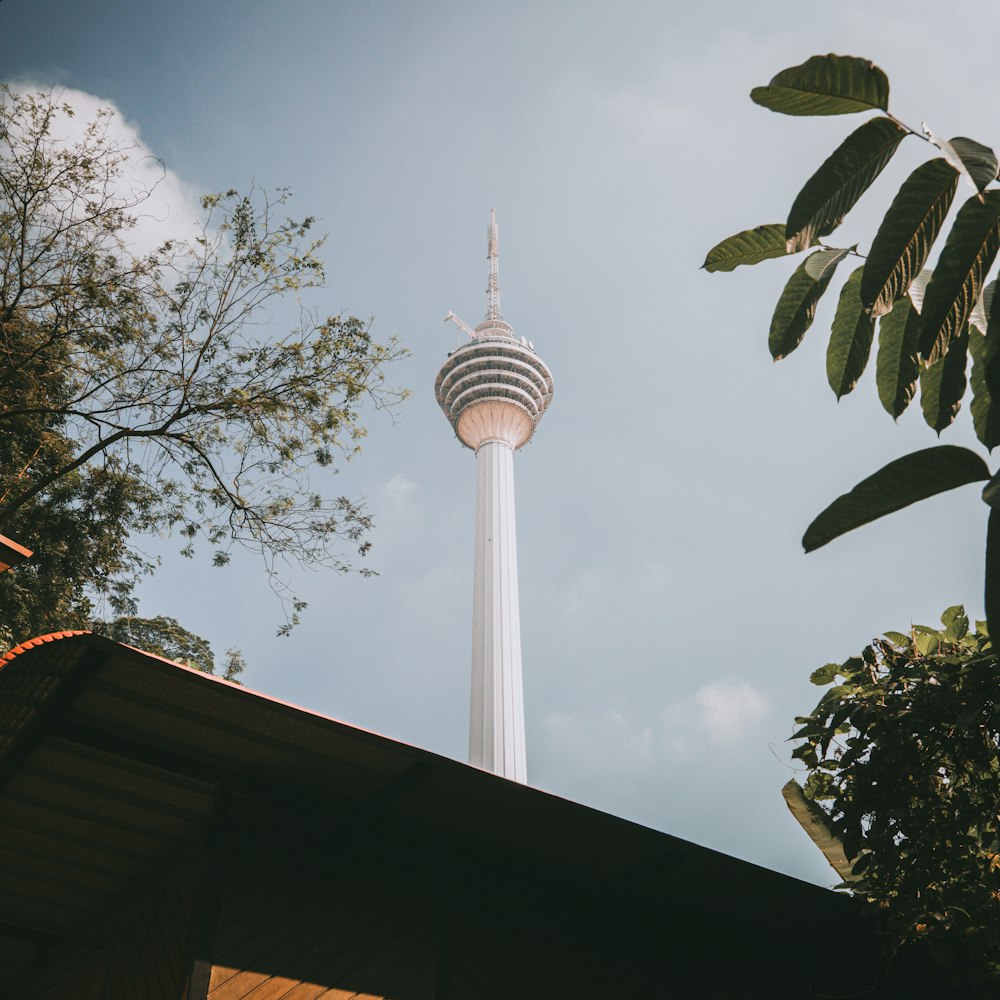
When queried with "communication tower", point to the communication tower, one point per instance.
{"points": [[493, 390]]}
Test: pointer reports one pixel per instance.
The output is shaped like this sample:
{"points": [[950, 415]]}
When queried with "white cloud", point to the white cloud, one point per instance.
{"points": [[649, 119], [584, 592], [170, 207], [627, 740], [399, 492], [604, 743], [728, 710], [439, 585]]}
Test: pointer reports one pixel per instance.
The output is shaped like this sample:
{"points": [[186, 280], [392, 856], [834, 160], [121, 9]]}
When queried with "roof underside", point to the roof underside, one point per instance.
{"points": [[114, 764]]}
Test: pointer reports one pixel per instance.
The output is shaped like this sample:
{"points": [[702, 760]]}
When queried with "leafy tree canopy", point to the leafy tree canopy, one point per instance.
{"points": [[148, 392], [928, 320], [903, 758], [903, 750], [167, 637]]}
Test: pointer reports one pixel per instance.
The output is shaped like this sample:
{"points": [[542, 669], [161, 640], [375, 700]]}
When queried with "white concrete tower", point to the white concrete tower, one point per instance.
{"points": [[494, 390]]}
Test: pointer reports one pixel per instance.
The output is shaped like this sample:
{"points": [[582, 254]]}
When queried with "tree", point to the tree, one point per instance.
{"points": [[905, 747], [929, 321], [80, 523], [903, 758], [167, 637], [146, 392]]}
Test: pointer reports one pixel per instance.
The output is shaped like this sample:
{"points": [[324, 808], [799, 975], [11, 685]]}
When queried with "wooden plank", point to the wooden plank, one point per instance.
{"points": [[220, 974], [145, 960], [88, 982]]}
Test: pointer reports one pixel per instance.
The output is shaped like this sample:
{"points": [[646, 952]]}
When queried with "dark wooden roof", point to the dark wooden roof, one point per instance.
{"points": [[113, 765]]}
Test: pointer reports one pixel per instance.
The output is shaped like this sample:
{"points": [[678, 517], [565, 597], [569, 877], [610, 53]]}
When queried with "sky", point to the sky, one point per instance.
{"points": [[670, 620]]}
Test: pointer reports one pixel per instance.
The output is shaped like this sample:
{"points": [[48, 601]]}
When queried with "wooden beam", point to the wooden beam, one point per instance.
{"points": [[11, 553]]}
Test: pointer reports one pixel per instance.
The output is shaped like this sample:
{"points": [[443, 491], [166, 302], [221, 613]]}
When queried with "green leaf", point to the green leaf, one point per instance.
{"points": [[958, 279], [851, 340], [993, 573], [991, 491], [927, 643], [991, 305], [907, 233], [898, 639], [826, 85], [824, 262], [979, 317], [749, 247], [796, 307], [942, 385], [976, 162], [956, 623], [902, 482], [985, 410], [843, 178], [825, 675], [918, 288], [896, 365], [980, 161]]}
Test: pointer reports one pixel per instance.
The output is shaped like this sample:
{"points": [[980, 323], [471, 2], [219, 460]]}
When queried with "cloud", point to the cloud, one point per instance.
{"points": [[169, 207], [592, 588], [649, 119], [399, 492], [584, 592], [628, 740], [729, 710]]}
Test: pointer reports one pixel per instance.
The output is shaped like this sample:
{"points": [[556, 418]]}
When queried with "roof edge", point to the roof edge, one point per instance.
{"points": [[40, 641]]}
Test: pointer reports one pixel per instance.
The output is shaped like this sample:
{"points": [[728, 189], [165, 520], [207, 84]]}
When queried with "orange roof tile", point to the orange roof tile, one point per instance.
{"points": [[51, 637]]}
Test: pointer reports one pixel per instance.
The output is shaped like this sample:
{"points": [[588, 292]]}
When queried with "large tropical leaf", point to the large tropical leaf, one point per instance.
{"points": [[908, 231], [991, 305], [834, 189], [918, 289], [796, 307], [749, 247], [851, 340], [826, 85], [979, 161], [993, 572], [985, 407], [817, 825], [979, 316], [897, 366], [974, 161], [902, 482], [984, 346], [957, 281], [942, 384]]}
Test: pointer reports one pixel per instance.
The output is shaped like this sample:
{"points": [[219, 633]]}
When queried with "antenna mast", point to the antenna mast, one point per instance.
{"points": [[493, 254]]}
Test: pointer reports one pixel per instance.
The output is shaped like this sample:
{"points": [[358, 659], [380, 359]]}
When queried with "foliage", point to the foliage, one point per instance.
{"points": [[928, 322], [915, 476], [167, 637], [903, 750], [79, 524], [903, 755], [144, 393]]}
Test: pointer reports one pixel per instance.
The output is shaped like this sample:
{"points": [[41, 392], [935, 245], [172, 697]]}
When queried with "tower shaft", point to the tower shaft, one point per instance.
{"points": [[496, 720]]}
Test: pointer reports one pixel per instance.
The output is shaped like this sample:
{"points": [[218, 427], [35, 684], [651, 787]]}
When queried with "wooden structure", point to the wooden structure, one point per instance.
{"points": [[169, 836], [11, 553]]}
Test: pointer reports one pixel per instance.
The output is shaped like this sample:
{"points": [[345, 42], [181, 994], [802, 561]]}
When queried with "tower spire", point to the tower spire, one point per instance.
{"points": [[493, 255]]}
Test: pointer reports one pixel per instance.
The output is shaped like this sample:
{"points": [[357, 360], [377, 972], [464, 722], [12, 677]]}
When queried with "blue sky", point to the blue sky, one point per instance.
{"points": [[670, 620]]}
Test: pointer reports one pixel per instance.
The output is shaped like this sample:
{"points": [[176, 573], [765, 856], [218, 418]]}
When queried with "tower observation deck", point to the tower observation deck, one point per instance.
{"points": [[493, 390]]}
